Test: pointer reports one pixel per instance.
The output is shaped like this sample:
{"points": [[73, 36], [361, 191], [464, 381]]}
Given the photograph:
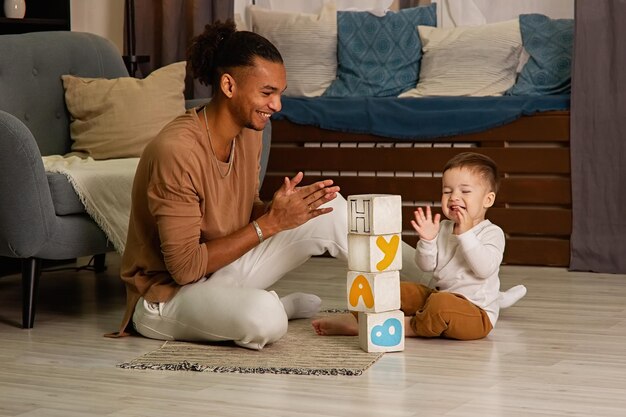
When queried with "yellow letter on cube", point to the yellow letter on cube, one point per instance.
{"points": [[372, 291], [374, 253]]}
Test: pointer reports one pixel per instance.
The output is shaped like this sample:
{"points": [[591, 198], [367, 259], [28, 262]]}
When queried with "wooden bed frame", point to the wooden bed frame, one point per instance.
{"points": [[533, 207]]}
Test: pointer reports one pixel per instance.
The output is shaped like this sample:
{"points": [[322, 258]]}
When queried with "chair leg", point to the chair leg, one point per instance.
{"points": [[99, 263], [31, 271]]}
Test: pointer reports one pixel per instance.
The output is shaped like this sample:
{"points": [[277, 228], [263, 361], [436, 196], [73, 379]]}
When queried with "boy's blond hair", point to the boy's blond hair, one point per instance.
{"points": [[479, 164]]}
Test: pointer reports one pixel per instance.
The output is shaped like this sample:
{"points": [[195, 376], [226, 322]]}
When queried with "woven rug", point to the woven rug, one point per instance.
{"points": [[299, 352]]}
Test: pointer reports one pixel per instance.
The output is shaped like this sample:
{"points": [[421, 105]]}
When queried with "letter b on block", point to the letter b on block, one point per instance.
{"points": [[374, 214], [381, 332], [373, 292]]}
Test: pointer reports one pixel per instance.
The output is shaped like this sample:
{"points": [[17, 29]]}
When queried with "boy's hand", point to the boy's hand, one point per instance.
{"points": [[426, 227], [463, 221]]}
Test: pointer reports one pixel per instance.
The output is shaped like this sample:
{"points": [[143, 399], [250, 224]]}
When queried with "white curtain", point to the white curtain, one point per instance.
{"points": [[452, 13], [307, 6]]}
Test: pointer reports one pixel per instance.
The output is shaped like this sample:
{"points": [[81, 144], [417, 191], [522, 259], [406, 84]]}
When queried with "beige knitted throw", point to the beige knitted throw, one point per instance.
{"points": [[104, 187]]}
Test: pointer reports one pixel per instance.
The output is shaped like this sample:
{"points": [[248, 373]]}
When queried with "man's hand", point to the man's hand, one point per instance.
{"points": [[426, 227], [293, 205]]}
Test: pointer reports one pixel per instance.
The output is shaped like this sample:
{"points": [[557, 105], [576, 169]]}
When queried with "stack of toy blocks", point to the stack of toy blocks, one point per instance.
{"points": [[374, 263]]}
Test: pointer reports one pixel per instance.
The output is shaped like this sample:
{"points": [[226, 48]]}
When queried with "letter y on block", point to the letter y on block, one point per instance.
{"points": [[389, 249]]}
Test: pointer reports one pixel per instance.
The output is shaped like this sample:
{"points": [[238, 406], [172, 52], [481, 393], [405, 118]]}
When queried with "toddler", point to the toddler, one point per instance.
{"points": [[464, 252]]}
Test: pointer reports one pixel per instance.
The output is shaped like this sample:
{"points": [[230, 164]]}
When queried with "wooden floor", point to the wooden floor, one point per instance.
{"points": [[560, 351]]}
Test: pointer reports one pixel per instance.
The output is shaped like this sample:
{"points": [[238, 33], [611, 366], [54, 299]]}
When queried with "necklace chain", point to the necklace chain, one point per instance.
{"points": [[231, 156]]}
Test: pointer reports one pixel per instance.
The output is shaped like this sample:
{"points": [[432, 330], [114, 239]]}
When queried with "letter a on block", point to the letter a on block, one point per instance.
{"points": [[389, 249], [361, 288]]}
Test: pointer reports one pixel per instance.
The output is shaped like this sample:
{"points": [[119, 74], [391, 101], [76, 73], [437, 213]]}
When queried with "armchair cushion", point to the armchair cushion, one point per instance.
{"points": [[116, 118], [30, 79], [64, 197]]}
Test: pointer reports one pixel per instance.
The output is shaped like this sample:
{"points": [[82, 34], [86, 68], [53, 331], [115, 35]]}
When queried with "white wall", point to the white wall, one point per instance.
{"points": [[104, 18]]}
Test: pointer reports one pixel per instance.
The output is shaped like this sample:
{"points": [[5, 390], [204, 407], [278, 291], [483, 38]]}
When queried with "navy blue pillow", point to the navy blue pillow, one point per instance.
{"points": [[549, 43], [379, 56]]}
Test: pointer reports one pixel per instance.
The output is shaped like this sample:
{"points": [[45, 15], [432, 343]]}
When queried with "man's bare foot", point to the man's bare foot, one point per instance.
{"points": [[344, 325]]}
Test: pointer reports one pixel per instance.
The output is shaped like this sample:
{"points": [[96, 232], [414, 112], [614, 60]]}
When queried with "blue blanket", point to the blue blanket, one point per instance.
{"points": [[414, 118]]}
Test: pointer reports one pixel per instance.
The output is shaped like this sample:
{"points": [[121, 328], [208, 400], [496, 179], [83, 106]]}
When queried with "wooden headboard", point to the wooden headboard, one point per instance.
{"points": [[533, 206]]}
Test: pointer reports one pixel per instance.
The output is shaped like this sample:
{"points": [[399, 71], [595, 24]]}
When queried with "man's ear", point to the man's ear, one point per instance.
{"points": [[490, 198], [227, 84]]}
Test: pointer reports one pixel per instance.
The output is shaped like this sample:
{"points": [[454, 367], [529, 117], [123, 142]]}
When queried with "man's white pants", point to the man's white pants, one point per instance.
{"points": [[233, 303]]}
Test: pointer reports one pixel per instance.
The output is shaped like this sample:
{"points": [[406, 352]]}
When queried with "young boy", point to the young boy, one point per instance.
{"points": [[464, 253]]}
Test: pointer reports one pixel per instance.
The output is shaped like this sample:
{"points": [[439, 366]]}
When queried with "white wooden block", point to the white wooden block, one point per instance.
{"points": [[374, 253], [373, 292], [374, 214], [381, 332]]}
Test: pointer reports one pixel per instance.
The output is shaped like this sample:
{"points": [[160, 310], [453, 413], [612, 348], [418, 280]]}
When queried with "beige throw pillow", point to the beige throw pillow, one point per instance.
{"points": [[116, 118], [307, 43], [468, 61]]}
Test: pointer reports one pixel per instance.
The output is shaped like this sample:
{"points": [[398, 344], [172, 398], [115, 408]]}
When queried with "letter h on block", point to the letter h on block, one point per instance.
{"points": [[374, 214], [374, 232]]}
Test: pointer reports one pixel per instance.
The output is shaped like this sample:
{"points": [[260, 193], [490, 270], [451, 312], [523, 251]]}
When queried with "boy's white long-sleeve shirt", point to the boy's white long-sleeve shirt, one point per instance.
{"points": [[467, 264]]}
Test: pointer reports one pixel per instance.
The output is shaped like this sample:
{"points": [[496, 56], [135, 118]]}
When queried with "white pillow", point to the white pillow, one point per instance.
{"points": [[468, 61], [307, 42]]}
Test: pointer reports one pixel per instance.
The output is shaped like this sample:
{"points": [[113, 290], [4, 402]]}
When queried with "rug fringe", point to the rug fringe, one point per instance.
{"points": [[188, 366]]}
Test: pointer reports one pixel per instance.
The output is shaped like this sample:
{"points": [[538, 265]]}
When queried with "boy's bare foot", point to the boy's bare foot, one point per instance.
{"points": [[344, 325]]}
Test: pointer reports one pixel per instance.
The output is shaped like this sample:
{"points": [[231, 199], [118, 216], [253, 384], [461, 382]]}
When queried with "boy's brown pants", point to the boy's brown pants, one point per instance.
{"points": [[442, 313]]}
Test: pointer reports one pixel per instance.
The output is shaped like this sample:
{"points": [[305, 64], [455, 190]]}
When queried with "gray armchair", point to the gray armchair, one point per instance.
{"points": [[41, 216]]}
